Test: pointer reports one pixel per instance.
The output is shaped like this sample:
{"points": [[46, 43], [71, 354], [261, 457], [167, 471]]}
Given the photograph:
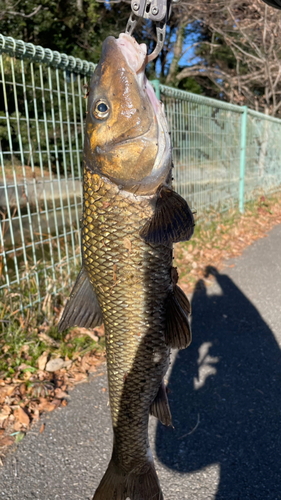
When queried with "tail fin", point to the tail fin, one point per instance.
{"points": [[116, 485]]}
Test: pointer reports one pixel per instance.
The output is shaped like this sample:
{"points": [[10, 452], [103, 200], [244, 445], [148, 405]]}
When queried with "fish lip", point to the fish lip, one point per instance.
{"points": [[138, 50]]}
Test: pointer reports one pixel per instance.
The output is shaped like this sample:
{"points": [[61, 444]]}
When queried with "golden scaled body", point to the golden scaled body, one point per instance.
{"points": [[132, 280]]}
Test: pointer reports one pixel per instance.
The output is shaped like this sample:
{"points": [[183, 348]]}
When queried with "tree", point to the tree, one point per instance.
{"points": [[77, 27], [238, 55]]}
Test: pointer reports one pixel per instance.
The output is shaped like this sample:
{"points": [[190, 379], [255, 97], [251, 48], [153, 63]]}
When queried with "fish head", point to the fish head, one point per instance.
{"points": [[123, 136]]}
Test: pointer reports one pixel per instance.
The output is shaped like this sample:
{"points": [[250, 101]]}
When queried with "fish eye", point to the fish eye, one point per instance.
{"points": [[101, 109]]}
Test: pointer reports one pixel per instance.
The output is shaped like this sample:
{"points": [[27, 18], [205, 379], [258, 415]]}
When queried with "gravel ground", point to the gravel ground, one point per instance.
{"points": [[225, 397]]}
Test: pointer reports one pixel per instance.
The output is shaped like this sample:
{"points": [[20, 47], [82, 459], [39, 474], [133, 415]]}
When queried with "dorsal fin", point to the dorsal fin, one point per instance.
{"points": [[82, 308], [173, 220]]}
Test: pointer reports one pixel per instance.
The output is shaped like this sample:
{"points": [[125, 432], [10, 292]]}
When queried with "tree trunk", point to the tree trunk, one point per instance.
{"points": [[171, 77], [79, 4]]}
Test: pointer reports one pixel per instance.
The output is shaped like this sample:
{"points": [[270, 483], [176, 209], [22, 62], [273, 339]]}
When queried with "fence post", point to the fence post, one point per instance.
{"points": [[242, 158], [156, 85]]}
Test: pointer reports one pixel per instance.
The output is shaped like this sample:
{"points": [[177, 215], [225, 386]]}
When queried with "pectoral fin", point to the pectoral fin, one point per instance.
{"points": [[178, 331], [160, 406], [173, 220], [82, 308]]}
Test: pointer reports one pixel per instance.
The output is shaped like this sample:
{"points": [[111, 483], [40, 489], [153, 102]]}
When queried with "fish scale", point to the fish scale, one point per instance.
{"points": [[133, 285]]}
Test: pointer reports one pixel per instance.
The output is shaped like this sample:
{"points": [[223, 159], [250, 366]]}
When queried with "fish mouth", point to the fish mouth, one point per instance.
{"points": [[134, 54]]}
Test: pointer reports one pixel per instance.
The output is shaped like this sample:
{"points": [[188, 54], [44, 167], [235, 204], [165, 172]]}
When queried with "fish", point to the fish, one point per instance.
{"points": [[131, 218]]}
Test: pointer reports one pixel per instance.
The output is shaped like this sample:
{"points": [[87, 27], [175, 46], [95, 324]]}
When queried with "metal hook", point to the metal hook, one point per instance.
{"points": [[161, 33]]}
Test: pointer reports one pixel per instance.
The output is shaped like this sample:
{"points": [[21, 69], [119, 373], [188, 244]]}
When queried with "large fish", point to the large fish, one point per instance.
{"points": [[131, 218]]}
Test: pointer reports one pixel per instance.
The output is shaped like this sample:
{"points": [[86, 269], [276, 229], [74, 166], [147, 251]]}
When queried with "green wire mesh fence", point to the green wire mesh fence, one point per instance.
{"points": [[206, 148], [223, 154], [41, 140]]}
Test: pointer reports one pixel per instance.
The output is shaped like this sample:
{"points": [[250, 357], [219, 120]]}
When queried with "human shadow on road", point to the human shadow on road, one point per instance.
{"points": [[226, 397]]}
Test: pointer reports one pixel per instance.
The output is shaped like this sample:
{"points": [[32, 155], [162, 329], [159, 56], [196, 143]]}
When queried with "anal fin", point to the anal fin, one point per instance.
{"points": [[178, 331], [160, 406], [173, 220], [82, 308]]}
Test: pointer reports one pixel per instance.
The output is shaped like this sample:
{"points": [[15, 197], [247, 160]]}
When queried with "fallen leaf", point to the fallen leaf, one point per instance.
{"points": [[36, 414], [42, 360], [64, 402], [6, 409], [5, 391], [54, 365], [60, 394], [17, 426], [56, 402], [6, 441], [22, 389], [42, 428], [4, 415], [45, 405], [100, 331], [92, 369], [85, 364], [21, 416], [79, 377], [99, 375]]}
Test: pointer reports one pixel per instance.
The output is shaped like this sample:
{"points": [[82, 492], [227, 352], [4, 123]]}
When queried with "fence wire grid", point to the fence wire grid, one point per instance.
{"points": [[223, 155]]}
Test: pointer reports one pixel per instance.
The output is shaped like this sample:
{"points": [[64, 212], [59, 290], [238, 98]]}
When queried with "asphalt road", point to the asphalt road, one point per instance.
{"points": [[225, 397]]}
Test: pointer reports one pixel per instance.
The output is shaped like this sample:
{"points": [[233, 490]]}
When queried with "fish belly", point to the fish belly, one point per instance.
{"points": [[132, 280]]}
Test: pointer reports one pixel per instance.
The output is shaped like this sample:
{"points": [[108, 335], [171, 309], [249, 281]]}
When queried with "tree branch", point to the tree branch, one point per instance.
{"points": [[12, 13]]}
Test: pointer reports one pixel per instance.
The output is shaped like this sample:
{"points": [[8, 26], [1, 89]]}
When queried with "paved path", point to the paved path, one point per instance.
{"points": [[225, 396]]}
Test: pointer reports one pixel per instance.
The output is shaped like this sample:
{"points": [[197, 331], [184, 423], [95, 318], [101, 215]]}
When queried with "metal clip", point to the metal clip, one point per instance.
{"points": [[131, 24], [157, 11]]}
